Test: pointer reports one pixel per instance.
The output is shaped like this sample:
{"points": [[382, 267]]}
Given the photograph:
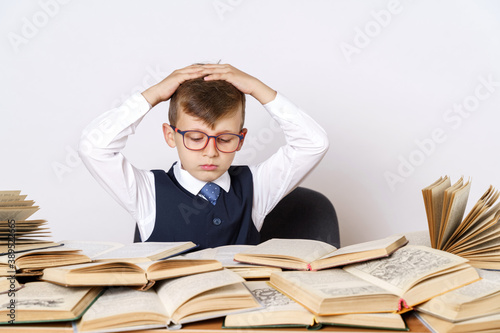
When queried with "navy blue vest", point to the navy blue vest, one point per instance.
{"points": [[182, 216]]}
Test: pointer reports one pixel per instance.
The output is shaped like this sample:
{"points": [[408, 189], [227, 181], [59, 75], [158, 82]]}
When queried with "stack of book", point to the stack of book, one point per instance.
{"points": [[171, 303], [24, 249], [472, 308], [137, 264], [157, 285], [15, 229]]}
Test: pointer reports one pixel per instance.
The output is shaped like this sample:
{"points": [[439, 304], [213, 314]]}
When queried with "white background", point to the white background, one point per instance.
{"points": [[380, 76]]}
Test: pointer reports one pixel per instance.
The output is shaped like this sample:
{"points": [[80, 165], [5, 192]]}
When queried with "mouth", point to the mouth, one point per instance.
{"points": [[208, 167]]}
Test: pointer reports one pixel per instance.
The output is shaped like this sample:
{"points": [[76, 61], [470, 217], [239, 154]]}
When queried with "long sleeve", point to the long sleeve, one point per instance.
{"points": [[100, 150], [306, 144]]}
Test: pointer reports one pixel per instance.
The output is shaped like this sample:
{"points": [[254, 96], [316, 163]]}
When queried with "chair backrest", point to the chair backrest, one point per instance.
{"points": [[137, 235], [303, 213]]}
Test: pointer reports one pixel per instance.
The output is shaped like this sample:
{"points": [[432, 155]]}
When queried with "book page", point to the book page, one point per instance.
{"points": [[218, 302], [11, 195], [455, 213], [17, 203], [18, 213], [418, 238], [405, 267], [91, 249], [138, 250], [488, 285], [101, 267], [174, 292], [366, 246], [125, 301], [45, 296], [305, 249], [433, 199], [332, 283], [223, 254], [271, 299], [52, 250]]}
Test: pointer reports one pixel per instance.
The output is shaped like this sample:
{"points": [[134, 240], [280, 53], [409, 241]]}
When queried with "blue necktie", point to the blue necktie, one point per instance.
{"points": [[210, 192]]}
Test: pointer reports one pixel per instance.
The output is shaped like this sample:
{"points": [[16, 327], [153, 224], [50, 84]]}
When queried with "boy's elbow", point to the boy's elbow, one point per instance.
{"points": [[85, 148], [322, 144]]}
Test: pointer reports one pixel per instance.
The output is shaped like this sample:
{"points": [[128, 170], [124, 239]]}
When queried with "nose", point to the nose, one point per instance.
{"points": [[211, 150]]}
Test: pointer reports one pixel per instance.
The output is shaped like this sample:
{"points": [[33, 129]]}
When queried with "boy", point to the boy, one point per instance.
{"points": [[202, 198]]}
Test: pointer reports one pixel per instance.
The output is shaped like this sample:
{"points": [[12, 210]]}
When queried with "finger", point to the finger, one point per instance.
{"points": [[190, 69], [217, 76], [216, 65], [189, 76]]}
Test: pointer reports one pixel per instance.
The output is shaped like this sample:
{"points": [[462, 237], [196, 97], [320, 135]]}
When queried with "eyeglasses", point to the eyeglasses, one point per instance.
{"points": [[196, 140]]}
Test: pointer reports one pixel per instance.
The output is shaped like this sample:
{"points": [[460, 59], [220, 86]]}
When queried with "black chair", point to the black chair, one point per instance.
{"points": [[303, 213], [137, 235]]}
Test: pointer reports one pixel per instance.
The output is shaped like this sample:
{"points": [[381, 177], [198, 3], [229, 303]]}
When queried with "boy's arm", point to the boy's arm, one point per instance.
{"points": [[104, 139], [306, 142], [100, 150]]}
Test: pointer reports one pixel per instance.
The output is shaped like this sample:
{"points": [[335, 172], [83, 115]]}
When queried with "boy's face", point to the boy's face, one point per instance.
{"points": [[209, 163]]}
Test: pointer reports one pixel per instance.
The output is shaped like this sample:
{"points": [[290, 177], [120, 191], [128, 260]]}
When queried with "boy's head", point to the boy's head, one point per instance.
{"points": [[207, 100], [213, 108]]}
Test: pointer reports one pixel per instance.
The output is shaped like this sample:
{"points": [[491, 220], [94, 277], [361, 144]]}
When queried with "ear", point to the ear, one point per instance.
{"points": [[169, 134], [244, 133]]}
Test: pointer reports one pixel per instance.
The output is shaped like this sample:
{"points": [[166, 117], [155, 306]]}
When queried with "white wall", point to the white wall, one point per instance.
{"points": [[382, 77]]}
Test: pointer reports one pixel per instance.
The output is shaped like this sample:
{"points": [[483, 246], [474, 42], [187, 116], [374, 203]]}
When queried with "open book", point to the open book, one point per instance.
{"points": [[472, 301], [281, 311], [134, 252], [305, 254], [486, 324], [475, 236], [174, 301], [79, 252], [225, 255], [36, 260], [43, 301], [126, 273], [410, 276]]}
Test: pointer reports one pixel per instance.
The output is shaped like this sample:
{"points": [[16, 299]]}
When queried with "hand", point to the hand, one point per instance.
{"points": [[245, 83], [163, 90]]}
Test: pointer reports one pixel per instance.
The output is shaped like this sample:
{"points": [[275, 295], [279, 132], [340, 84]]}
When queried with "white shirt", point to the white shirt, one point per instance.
{"points": [[103, 140]]}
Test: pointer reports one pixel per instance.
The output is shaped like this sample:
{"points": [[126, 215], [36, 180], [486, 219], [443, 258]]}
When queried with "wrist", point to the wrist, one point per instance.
{"points": [[264, 94], [152, 96]]}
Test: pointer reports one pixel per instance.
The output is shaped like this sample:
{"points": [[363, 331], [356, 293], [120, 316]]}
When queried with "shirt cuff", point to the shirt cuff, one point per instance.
{"points": [[282, 108]]}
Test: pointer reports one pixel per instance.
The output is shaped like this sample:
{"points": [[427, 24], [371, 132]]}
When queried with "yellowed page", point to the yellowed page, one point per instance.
{"points": [[125, 305], [479, 214], [453, 301], [433, 199], [405, 267], [304, 249], [17, 213], [174, 292], [366, 246], [52, 250], [92, 249], [224, 254], [139, 251], [456, 211], [45, 296]]}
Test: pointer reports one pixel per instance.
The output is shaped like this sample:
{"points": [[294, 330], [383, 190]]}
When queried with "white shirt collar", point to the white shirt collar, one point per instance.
{"points": [[194, 185]]}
